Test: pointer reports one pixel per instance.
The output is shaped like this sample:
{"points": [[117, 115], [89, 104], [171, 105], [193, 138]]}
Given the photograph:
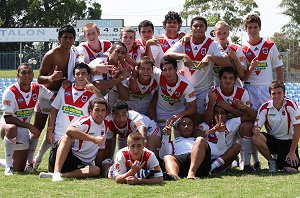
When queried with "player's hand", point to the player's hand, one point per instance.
{"points": [[186, 38], [152, 42], [89, 86], [136, 166], [100, 140], [57, 74], [224, 105], [66, 83], [34, 131], [187, 61], [292, 159], [167, 130], [220, 125], [212, 96], [253, 64], [181, 35], [239, 104], [132, 180], [205, 60], [50, 135], [256, 129], [232, 55], [102, 69], [152, 113]]}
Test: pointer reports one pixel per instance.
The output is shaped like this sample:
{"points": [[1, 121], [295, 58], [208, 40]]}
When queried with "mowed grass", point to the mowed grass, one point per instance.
{"points": [[13, 73], [233, 183]]}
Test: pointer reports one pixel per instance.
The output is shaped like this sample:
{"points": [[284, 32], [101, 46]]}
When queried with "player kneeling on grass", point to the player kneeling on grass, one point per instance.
{"points": [[83, 146], [135, 164], [282, 121]]}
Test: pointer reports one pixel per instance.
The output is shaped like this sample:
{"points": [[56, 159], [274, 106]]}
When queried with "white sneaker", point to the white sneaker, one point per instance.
{"points": [[272, 166], [29, 168], [56, 177], [8, 171], [45, 175]]}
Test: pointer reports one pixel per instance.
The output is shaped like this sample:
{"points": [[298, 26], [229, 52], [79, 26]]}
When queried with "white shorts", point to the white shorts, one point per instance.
{"points": [[200, 99], [23, 137], [43, 105], [258, 95]]}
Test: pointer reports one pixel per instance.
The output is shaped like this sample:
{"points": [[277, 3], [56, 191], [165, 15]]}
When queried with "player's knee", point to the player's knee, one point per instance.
{"points": [[11, 131], [168, 158], [236, 147], [246, 129], [94, 171], [257, 139]]}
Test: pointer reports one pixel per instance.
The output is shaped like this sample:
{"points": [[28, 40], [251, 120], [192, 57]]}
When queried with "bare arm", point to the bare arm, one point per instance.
{"points": [[152, 106], [9, 119], [51, 125], [291, 156], [279, 74]]}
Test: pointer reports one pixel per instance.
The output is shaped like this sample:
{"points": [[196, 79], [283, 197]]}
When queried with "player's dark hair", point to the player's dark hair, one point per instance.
{"points": [[145, 60], [168, 60], [82, 65], [119, 105], [276, 84], [198, 18], [23, 65], [252, 18], [67, 29], [113, 47], [145, 23], [172, 16], [99, 101], [230, 70]]}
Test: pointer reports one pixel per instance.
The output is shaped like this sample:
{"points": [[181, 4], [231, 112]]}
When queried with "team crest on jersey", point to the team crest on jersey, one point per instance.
{"points": [[187, 49], [165, 45], [134, 56], [265, 50], [177, 94], [102, 133], [84, 98], [68, 93], [248, 54], [203, 51], [283, 113], [34, 97], [20, 99]]}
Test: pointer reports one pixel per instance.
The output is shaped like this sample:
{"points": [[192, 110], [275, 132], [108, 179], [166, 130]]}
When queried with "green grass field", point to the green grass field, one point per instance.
{"points": [[230, 184]]}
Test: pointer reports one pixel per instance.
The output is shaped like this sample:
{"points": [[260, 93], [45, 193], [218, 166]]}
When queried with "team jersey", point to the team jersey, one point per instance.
{"points": [[87, 151], [238, 93], [268, 59], [136, 53], [139, 101], [239, 53], [149, 159], [179, 146], [156, 50], [87, 54], [19, 103], [71, 103], [200, 77], [172, 100], [231, 131], [167, 42], [134, 123], [279, 123]]}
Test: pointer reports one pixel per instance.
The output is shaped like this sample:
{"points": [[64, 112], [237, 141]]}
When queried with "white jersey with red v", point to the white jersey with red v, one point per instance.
{"points": [[167, 42]]}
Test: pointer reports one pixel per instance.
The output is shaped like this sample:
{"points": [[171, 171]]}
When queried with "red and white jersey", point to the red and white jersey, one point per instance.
{"points": [[157, 52], [238, 93], [232, 128], [134, 123], [87, 54], [279, 123], [149, 159], [239, 53], [172, 100], [139, 101], [167, 42], [20, 103], [202, 77], [87, 151], [268, 59], [136, 53], [71, 103], [179, 146]]}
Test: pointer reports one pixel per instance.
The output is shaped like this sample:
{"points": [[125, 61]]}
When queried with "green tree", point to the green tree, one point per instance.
{"points": [[291, 9], [232, 11]]}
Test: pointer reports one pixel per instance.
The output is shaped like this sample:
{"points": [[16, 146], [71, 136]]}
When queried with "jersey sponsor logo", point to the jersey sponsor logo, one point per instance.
{"points": [[261, 65], [271, 114], [7, 102], [169, 99], [72, 111], [24, 113], [140, 96]]}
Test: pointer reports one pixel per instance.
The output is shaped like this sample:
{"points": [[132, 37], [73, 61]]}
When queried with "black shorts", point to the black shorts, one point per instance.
{"points": [[71, 163], [185, 162], [281, 148]]}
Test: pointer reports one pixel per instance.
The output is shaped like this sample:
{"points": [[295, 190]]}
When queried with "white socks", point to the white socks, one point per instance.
{"points": [[43, 149], [217, 163], [9, 145], [32, 146]]}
